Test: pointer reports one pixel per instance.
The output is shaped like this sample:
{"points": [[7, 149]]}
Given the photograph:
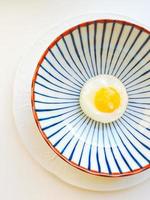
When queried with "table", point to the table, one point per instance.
{"points": [[21, 24]]}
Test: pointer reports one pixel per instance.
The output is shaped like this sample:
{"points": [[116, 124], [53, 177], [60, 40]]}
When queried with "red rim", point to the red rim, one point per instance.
{"points": [[33, 98]]}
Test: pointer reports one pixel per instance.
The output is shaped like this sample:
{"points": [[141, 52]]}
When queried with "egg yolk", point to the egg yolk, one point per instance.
{"points": [[107, 99]]}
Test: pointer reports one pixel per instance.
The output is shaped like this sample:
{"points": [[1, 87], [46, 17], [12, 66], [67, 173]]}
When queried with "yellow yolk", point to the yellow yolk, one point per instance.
{"points": [[107, 99]]}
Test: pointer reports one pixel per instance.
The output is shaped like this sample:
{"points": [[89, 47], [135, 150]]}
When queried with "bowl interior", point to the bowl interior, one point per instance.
{"points": [[110, 47]]}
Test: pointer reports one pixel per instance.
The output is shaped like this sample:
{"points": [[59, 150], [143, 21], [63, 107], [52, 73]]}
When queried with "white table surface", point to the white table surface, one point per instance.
{"points": [[21, 24]]}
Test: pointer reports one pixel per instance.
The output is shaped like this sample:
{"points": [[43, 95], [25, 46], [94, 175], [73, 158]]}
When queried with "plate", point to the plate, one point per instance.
{"points": [[109, 47], [29, 133]]}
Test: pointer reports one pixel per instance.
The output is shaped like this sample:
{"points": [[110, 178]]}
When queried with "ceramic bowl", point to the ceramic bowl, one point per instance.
{"points": [[112, 47]]}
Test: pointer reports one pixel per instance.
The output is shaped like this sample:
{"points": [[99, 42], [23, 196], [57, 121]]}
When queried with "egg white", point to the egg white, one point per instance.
{"points": [[87, 96]]}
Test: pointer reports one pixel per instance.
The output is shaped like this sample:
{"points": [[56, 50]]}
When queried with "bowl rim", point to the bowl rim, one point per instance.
{"points": [[59, 37]]}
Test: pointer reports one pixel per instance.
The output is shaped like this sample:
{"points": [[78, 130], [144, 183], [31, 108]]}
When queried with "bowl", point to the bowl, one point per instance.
{"points": [[99, 47]]}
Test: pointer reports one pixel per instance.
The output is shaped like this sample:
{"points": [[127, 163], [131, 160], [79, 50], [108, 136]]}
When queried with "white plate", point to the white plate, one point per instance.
{"points": [[31, 136]]}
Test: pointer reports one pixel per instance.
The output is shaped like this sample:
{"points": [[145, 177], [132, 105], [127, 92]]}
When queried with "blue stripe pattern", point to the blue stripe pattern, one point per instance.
{"points": [[111, 48]]}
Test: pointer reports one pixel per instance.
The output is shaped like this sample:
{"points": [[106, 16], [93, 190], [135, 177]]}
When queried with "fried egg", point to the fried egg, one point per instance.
{"points": [[103, 98]]}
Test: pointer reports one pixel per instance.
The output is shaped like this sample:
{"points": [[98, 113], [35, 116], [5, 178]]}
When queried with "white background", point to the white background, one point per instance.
{"points": [[21, 24]]}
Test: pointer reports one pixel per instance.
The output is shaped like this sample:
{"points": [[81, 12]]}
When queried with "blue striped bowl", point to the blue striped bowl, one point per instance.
{"points": [[113, 47]]}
